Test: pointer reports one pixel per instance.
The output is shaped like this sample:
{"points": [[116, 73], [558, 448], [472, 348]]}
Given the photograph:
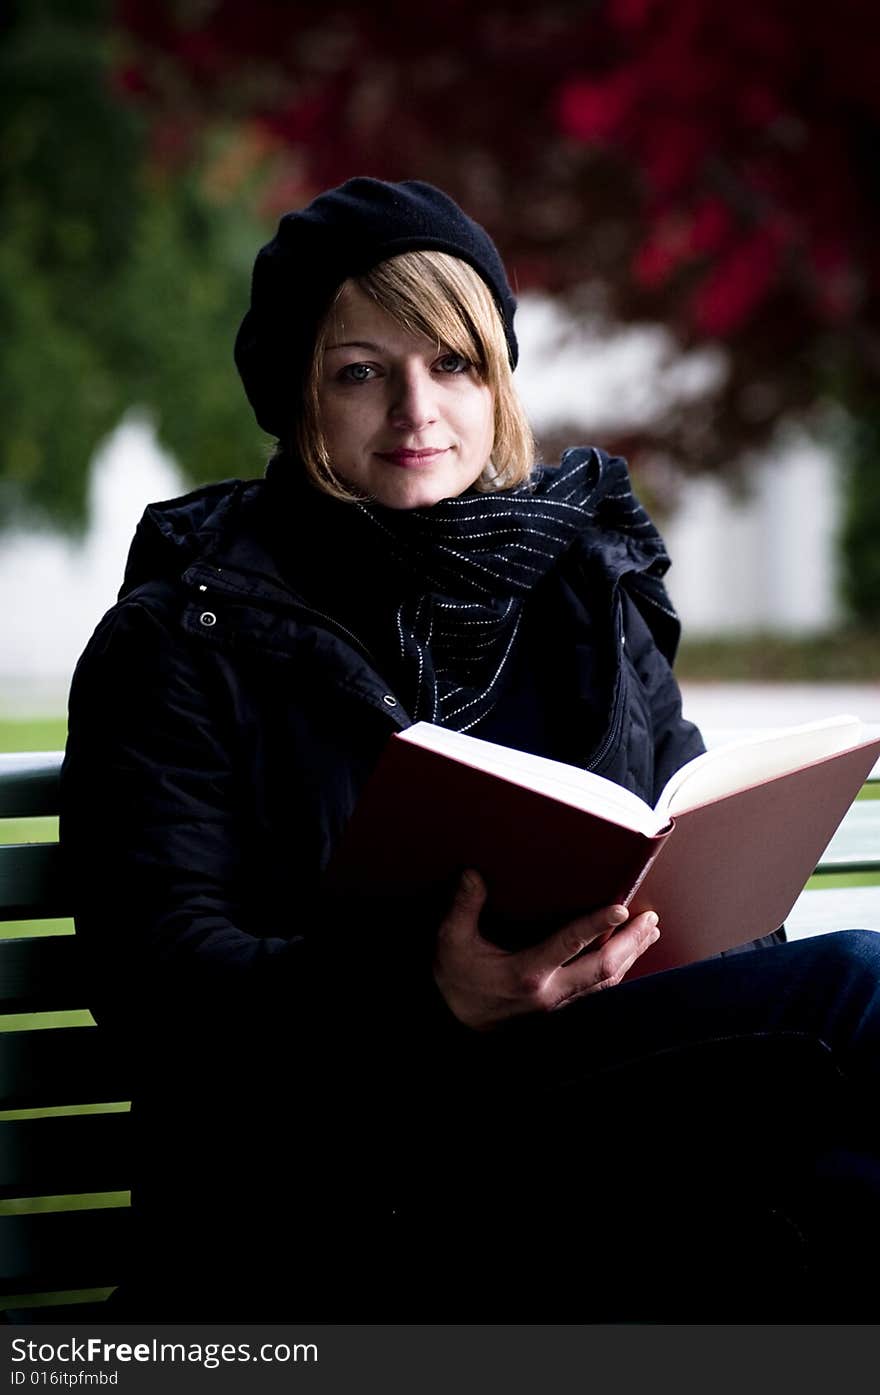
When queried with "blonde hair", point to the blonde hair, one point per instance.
{"points": [[443, 298]]}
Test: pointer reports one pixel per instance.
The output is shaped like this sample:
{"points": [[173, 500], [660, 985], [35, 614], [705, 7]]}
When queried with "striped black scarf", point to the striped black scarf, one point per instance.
{"points": [[437, 594]]}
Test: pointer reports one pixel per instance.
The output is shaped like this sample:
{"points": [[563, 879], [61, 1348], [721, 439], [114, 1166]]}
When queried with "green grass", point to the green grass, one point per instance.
{"points": [[33, 733], [841, 656]]}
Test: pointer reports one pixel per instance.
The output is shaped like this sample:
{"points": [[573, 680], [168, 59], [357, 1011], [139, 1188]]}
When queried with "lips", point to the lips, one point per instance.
{"points": [[412, 459]]}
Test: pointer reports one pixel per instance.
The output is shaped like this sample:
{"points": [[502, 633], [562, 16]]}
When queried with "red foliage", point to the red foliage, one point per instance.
{"points": [[713, 165], [597, 111], [745, 124], [737, 283]]}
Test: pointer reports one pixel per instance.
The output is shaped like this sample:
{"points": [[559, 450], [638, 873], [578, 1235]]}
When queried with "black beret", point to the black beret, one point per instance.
{"points": [[345, 232]]}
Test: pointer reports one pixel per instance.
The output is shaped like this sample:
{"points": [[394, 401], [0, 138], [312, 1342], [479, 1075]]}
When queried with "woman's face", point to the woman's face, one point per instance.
{"points": [[405, 421]]}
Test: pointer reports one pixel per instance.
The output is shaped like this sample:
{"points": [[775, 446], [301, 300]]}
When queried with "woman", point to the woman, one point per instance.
{"points": [[344, 1115]]}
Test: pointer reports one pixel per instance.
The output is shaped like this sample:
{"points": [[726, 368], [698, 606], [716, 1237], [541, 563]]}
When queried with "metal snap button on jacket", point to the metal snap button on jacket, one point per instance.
{"points": [[207, 617]]}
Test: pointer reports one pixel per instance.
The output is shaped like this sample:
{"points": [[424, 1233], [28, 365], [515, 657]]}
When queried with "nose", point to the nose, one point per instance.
{"points": [[413, 404]]}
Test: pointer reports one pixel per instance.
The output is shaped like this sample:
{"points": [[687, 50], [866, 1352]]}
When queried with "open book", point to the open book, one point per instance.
{"points": [[721, 857]]}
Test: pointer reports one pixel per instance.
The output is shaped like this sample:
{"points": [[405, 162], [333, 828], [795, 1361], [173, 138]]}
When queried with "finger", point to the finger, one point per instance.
{"points": [[577, 936], [607, 965], [615, 959], [462, 919]]}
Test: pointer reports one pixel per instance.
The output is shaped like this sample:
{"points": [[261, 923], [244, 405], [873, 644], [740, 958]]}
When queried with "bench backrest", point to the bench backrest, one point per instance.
{"points": [[64, 1122]]}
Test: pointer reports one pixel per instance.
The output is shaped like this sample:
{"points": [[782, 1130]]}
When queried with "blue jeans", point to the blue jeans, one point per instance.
{"points": [[698, 1145]]}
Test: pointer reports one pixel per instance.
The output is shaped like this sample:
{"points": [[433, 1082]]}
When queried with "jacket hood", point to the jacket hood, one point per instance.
{"points": [[174, 533]]}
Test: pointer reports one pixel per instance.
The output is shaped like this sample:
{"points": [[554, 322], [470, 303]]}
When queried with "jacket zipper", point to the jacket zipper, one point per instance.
{"points": [[335, 625], [613, 732]]}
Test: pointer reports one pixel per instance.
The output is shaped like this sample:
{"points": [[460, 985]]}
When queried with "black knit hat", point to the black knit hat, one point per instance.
{"points": [[345, 232]]}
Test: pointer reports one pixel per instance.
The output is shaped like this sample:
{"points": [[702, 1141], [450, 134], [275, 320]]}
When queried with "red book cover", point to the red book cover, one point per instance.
{"points": [[423, 817], [718, 874], [734, 867]]}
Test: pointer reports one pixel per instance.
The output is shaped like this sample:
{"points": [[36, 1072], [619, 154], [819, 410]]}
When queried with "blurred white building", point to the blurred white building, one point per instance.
{"points": [[765, 561], [762, 556], [54, 590]]}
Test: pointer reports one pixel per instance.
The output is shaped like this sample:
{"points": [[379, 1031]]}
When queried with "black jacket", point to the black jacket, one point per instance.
{"points": [[221, 727]]}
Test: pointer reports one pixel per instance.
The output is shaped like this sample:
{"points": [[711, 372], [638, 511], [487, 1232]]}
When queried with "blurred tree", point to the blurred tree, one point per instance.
{"points": [[861, 524], [66, 181], [116, 282], [652, 160], [753, 133], [710, 167]]}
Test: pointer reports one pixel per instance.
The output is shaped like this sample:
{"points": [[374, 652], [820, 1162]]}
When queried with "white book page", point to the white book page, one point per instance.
{"points": [[567, 783], [738, 764]]}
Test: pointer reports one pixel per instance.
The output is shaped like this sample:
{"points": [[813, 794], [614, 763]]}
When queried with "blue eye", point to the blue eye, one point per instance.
{"points": [[356, 373], [453, 363]]}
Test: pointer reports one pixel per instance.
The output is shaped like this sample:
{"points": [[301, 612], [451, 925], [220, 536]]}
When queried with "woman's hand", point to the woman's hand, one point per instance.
{"points": [[483, 985]]}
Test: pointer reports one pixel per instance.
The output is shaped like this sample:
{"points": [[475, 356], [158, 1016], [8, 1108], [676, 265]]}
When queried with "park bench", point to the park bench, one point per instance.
{"points": [[64, 1138]]}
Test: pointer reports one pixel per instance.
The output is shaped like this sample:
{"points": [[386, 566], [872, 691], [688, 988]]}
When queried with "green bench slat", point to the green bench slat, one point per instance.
{"points": [[32, 885], [59, 1065], [29, 783], [63, 1249], [41, 973], [65, 1156]]}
